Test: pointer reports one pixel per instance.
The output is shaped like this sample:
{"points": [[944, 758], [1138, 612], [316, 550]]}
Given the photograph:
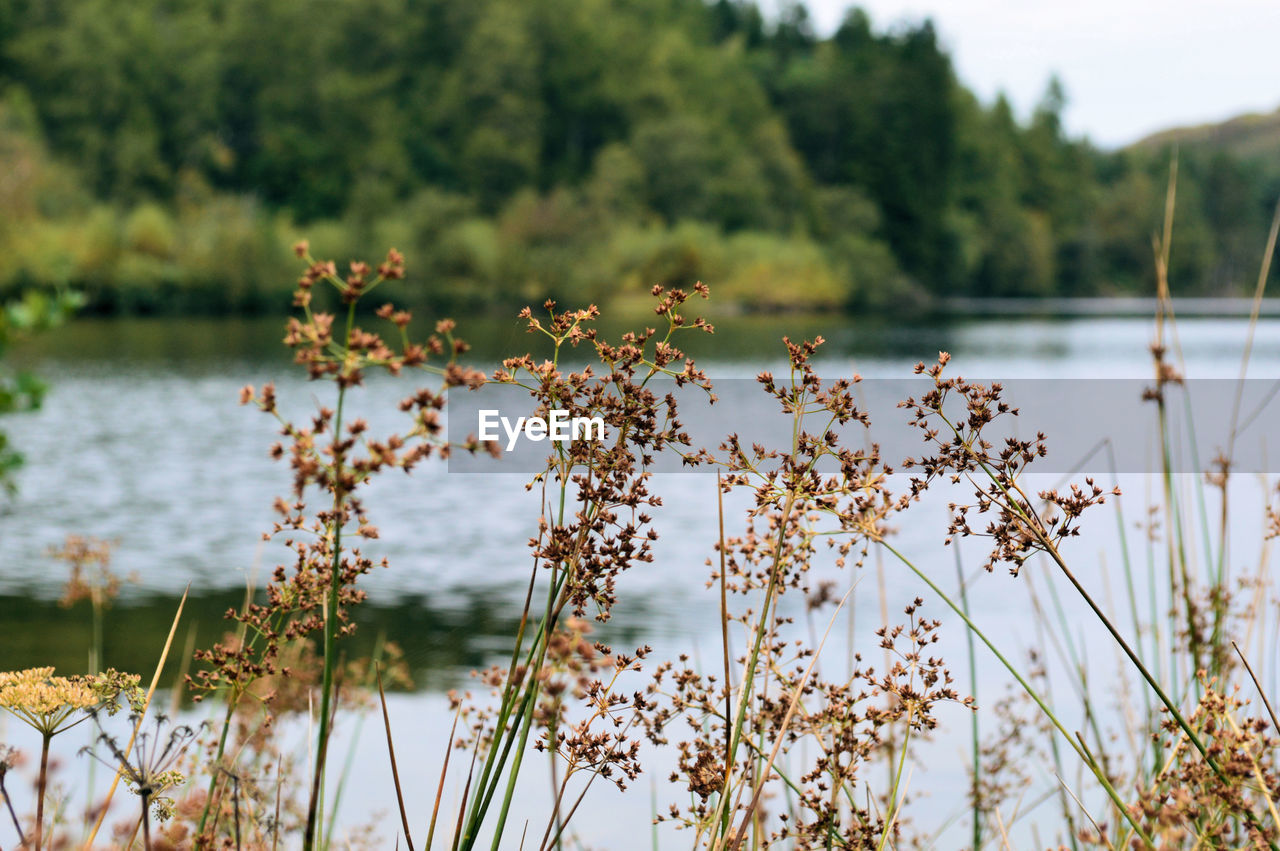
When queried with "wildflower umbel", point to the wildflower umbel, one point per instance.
{"points": [[47, 703], [51, 704]]}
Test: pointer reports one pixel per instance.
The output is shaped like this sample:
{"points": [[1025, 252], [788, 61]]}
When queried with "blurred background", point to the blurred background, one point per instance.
{"points": [[162, 156]]}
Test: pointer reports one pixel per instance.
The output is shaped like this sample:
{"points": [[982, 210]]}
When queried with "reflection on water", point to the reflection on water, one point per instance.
{"points": [[440, 643], [442, 639]]}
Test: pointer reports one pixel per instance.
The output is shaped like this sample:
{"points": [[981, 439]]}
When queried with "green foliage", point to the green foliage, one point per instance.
{"points": [[164, 157], [20, 390]]}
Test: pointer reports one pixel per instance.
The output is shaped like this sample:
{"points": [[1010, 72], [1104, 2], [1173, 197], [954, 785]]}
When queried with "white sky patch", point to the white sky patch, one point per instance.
{"points": [[1130, 67]]}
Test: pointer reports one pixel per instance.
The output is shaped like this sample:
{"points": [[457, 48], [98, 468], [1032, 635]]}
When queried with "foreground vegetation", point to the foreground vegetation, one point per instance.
{"points": [[163, 157], [773, 748]]}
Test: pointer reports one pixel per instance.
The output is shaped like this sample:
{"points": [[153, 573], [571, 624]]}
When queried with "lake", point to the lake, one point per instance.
{"points": [[141, 442]]}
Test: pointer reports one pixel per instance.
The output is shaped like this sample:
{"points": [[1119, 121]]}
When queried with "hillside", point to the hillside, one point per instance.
{"points": [[1254, 137]]}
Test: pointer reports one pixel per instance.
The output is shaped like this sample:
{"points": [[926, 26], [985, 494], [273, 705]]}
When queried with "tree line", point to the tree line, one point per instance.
{"points": [[162, 155]]}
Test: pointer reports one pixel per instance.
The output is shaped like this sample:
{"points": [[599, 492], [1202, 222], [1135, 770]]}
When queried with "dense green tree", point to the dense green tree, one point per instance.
{"points": [[522, 147]]}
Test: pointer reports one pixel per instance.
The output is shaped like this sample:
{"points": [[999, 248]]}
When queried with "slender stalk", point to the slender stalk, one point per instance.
{"points": [[317, 783], [146, 823], [275, 823], [146, 703], [17, 825], [444, 770], [724, 627], [1031, 692], [395, 772], [330, 609], [217, 761], [723, 815], [1132, 591], [973, 716], [1265, 701], [235, 808], [46, 736], [525, 723], [897, 780]]}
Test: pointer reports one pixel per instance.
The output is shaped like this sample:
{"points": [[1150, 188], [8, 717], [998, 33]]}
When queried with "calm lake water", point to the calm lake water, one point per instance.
{"points": [[141, 442]]}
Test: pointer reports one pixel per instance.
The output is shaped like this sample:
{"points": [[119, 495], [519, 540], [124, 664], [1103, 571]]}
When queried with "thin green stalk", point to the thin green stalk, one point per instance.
{"points": [[347, 764], [509, 690], [330, 612], [1078, 666], [894, 803], [1026, 687], [525, 723], [1048, 547], [1133, 597], [724, 625], [1056, 750], [217, 761], [975, 739], [724, 815], [495, 761]]}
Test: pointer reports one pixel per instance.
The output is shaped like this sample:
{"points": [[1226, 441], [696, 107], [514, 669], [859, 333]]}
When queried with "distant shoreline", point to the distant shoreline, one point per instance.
{"points": [[1114, 306]]}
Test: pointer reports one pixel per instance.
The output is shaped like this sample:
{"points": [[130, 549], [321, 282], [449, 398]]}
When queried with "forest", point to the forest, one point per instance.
{"points": [[161, 157]]}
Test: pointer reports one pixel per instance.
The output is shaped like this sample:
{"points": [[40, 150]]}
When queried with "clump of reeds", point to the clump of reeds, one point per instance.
{"points": [[772, 747]]}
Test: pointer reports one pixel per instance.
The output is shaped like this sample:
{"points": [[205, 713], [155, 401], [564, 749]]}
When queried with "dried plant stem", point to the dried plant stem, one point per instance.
{"points": [[133, 736], [466, 791], [395, 772], [146, 822], [275, 824], [22, 837], [1265, 701], [41, 784], [444, 770], [1062, 784]]}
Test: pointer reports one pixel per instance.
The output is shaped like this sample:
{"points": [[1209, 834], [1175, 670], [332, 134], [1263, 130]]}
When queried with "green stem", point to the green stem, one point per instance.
{"points": [[973, 720], [897, 782], [724, 815], [1031, 692], [217, 761], [525, 724], [331, 608]]}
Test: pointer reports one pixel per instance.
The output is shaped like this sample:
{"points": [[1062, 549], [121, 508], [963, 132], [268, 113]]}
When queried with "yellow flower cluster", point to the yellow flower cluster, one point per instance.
{"points": [[44, 701]]}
